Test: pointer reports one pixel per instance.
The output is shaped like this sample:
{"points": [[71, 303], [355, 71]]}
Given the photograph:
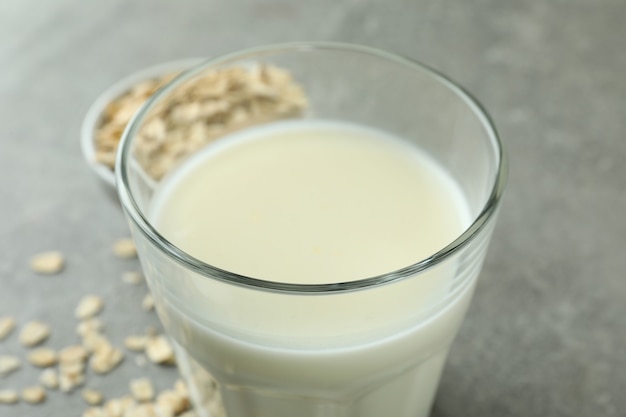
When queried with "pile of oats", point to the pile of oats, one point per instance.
{"points": [[198, 112], [118, 113], [67, 369]]}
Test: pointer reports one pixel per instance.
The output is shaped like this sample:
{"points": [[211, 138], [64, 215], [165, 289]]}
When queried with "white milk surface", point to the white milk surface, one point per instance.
{"points": [[310, 203]]}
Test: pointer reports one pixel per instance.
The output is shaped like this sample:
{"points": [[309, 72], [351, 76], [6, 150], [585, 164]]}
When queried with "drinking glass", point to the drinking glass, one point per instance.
{"points": [[383, 354]]}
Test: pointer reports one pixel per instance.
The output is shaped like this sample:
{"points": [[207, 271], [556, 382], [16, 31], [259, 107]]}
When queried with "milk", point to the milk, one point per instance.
{"points": [[313, 203]]}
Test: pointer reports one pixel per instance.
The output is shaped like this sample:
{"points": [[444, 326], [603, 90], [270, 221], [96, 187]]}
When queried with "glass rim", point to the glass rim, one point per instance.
{"points": [[136, 215]]}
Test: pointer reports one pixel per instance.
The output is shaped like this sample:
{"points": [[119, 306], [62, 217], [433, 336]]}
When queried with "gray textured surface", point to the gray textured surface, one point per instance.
{"points": [[546, 335]]}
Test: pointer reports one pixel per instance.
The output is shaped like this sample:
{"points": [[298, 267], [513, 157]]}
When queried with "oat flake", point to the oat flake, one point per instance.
{"points": [[47, 263], [33, 333], [7, 324]]}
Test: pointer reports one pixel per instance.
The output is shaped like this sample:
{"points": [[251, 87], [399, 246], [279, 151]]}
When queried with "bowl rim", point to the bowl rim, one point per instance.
{"points": [[94, 113]]}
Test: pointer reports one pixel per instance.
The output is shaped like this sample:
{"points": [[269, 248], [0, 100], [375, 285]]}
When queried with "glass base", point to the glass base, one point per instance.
{"points": [[407, 393]]}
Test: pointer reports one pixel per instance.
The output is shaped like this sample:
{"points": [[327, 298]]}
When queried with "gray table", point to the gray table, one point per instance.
{"points": [[546, 334]]}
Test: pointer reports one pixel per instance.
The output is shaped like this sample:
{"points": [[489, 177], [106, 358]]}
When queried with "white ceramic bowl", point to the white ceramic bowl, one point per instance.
{"points": [[94, 114]]}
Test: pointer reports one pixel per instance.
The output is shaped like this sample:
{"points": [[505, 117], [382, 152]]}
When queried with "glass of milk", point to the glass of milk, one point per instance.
{"points": [[320, 266]]}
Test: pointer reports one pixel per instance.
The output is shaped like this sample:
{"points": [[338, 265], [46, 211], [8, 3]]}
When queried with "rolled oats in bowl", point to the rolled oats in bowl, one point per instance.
{"points": [[204, 109]]}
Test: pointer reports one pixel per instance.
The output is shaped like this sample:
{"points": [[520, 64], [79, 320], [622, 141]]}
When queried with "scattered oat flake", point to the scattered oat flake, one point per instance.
{"points": [[163, 410], [142, 410], [91, 325], [7, 324], [97, 412], [42, 357], [132, 277], [148, 303], [135, 343], [33, 333], [159, 350], [92, 396], [117, 407], [112, 408], [72, 369], [47, 263], [173, 400], [142, 389], [181, 388], [94, 341], [106, 358], [8, 396], [9, 364], [89, 306], [73, 354], [68, 382], [49, 379], [125, 248], [33, 395]]}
